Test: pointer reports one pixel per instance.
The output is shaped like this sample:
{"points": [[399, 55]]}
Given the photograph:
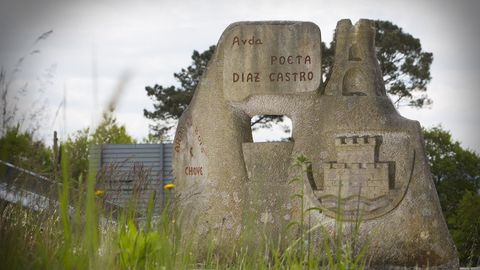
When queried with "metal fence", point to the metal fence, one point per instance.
{"points": [[18, 185], [125, 173], [132, 172], [37, 192]]}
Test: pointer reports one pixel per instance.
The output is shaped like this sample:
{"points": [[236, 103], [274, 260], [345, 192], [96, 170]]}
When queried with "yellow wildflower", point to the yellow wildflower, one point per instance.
{"points": [[99, 193], [168, 186]]}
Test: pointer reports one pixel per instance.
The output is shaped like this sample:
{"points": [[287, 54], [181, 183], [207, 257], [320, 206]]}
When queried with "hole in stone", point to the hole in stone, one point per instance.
{"points": [[271, 128]]}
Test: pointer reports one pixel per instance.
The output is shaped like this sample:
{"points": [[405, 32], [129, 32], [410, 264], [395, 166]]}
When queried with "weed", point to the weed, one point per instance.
{"points": [[90, 238]]}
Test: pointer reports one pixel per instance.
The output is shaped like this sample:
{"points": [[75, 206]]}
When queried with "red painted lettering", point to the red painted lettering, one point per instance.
{"points": [[252, 41], [193, 171]]}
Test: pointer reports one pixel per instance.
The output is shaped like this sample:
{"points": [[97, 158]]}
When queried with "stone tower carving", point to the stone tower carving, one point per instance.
{"points": [[356, 71], [356, 179]]}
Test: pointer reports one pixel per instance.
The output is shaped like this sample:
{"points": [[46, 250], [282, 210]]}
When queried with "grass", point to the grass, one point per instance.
{"points": [[88, 238]]}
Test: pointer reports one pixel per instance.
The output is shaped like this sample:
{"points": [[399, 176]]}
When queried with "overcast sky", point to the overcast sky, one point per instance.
{"points": [[98, 44]]}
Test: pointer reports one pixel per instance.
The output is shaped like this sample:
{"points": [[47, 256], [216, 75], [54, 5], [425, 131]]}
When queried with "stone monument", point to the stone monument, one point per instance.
{"points": [[364, 158]]}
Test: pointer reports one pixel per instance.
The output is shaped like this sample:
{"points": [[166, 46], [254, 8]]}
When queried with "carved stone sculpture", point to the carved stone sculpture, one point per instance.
{"points": [[365, 158]]}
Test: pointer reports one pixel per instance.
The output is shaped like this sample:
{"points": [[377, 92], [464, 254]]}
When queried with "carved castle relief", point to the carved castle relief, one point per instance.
{"points": [[356, 176]]}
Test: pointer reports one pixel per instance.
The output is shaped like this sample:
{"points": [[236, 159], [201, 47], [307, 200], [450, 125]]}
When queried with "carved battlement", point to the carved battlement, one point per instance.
{"points": [[356, 149], [335, 165], [369, 180], [356, 170], [356, 140]]}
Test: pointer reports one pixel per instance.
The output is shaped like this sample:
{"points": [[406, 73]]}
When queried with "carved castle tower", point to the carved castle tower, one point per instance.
{"points": [[356, 175]]}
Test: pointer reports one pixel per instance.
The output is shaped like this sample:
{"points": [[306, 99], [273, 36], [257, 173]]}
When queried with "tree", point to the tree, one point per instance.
{"points": [[465, 228], [22, 150], [77, 146], [109, 132], [405, 67], [170, 102], [448, 160], [455, 170], [456, 173]]}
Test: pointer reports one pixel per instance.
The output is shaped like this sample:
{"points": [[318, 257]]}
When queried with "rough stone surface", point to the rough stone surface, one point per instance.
{"points": [[362, 153]]}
